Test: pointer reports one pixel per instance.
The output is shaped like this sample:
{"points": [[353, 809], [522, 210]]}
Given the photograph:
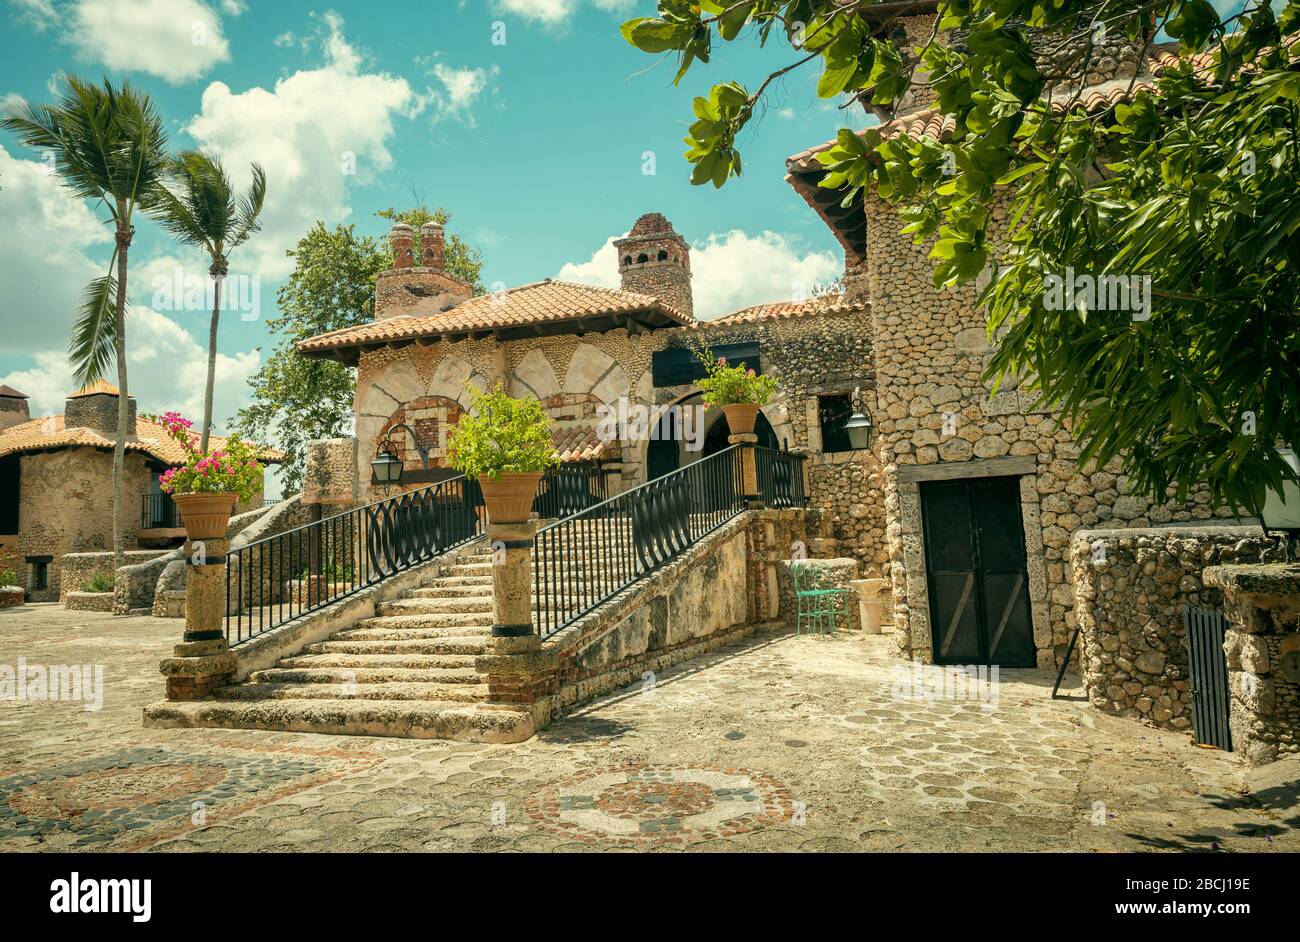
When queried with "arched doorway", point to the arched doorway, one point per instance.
{"points": [[666, 452], [716, 438]]}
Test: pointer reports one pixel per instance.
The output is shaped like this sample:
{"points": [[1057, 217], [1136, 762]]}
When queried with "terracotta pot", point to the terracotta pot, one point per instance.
{"points": [[741, 417], [205, 515], [509, 499]]}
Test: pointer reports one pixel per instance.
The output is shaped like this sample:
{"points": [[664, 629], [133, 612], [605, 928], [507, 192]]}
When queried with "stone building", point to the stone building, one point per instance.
{"points": [[56, 485], [966, 500]]}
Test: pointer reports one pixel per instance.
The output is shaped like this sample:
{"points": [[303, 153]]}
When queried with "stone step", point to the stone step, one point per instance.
{"points": [[430, 624], [410, 634], [435, 645], [413, 719], [380, 661], [447, 606], [365, 676], [432, 608], [395, 690], [453, 590]]}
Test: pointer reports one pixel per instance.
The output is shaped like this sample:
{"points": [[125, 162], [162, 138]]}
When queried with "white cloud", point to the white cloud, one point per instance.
{"points": [[554, 12], [166, 369], [730, 271], [175, 40], [44, 264], [234, 7], [314, 133], [461, 88]]}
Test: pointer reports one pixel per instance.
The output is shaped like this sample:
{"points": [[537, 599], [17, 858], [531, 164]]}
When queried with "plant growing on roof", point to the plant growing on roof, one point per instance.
{"points": [[501, 435], [232, 469]]}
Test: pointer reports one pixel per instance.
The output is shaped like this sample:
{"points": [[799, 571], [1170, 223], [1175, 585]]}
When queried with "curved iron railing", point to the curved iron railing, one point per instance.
{"points": [[274, 580], [584, 559]]}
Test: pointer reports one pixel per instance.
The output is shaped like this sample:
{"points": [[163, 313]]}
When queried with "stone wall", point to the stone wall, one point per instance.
{"points": [[1131, 588], [75, 569], [97, 412], [934, 407], [331, 472], [66, 505], [1262, 605], [692, 605]]}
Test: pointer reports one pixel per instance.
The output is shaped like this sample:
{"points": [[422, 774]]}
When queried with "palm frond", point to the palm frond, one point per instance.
{"points": [[94, 332], [250, 207]]}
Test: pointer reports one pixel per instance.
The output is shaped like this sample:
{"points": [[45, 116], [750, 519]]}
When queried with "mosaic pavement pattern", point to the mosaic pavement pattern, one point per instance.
{"points": [[774, 743]]}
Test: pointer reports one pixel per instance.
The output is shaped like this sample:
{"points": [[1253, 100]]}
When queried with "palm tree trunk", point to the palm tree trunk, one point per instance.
{"points": [[212, 362], [123, 395]]}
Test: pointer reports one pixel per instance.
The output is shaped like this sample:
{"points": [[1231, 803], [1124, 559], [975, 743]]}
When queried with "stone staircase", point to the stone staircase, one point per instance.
{"points": [[408, 671]]}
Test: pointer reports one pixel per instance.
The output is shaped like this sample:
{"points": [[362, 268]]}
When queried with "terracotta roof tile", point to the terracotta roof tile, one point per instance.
{"points": [[579, 443], [821, 304], [49, 432], [540, 303]]}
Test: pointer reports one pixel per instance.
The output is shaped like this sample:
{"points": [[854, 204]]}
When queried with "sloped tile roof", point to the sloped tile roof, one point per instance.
{"points": [[579, 443], [49, 432], [543, 302], [821, 304]]}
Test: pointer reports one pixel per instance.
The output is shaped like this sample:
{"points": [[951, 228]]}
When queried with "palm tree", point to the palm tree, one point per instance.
{"points": [[108, 145], [202, 210]]}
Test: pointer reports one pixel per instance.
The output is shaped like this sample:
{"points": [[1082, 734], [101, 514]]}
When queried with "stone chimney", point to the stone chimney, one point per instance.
{"points": [[13, 408], [653, 259], [95, 407], [416, 290]]}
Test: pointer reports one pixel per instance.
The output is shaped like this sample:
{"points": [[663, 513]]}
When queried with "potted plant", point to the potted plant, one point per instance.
{"points": [[738, 390], [206, 486], [505, 444]]}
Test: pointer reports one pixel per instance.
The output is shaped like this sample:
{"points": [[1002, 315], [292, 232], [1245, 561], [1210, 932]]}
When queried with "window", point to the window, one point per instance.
{"points": [[40, 572], [663, 256], [832, 413]]}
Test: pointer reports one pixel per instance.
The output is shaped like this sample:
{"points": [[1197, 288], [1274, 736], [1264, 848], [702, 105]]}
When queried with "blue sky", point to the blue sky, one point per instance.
{"points": [[536, 145]]}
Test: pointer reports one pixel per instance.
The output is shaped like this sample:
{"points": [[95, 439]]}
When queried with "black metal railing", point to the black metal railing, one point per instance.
{"points": [[158, 510], [282, 577], [588, 557], [780, 477], [570, 488]]}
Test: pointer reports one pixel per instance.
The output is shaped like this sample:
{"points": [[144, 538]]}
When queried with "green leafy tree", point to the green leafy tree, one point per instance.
{"points": [[297, 399], [1193, 183], [109, 146], [200, 208]]}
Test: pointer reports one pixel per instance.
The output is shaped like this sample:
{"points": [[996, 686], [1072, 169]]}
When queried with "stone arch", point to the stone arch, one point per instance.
{"points": [[535, 376], [450, 378], [396, 384], [594, 372]]}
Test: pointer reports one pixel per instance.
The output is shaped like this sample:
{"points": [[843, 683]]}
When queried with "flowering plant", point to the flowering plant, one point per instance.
{"points": [[233, 468], [727, 385]]}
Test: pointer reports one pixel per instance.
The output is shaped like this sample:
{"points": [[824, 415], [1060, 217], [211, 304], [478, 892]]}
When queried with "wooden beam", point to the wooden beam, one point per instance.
{"points": [[1014, 466]]}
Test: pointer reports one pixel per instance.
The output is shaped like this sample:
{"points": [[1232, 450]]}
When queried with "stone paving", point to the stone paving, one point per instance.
{"points": [[773, 743]]}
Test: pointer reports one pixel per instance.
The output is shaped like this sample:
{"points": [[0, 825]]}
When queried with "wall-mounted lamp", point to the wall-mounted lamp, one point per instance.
{"points": [[859, 424], [387, 467]]}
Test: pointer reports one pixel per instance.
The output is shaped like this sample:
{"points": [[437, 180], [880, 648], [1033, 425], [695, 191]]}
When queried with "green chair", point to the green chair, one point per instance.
{"points": [[816, 605]]}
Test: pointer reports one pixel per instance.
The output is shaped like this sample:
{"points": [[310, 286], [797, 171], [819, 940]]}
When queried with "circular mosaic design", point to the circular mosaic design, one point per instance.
{"points": [[646, 804], [106, 789]]}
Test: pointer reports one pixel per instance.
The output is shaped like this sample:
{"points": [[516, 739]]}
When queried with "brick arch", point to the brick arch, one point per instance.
{"points": [[431, 417], [451, 376]]}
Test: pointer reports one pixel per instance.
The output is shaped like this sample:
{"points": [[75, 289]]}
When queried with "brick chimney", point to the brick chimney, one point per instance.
{"points": [[433, 247], [417, 290], [13, 408]]}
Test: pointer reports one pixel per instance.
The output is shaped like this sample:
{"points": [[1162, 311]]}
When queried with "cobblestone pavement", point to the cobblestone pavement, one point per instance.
{"points": [[774, 743]]}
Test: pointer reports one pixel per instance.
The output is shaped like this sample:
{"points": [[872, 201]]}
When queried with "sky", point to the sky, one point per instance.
{"points": [[540, 130]]}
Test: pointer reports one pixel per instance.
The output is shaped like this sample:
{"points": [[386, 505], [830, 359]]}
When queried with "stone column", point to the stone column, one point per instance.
{"points": [[202, 661], [512, 586], [1262, 605], [748, 466]]}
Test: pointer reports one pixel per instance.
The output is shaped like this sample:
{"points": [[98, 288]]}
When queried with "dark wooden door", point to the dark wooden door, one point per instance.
{"points": [[975, 565]]}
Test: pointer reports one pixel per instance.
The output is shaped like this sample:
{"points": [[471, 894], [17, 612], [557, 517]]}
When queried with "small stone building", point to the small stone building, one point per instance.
{"points": [[56, 485]]}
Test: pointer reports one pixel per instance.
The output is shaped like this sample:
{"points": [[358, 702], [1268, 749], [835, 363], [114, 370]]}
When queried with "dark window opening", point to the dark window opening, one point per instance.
{"points": [[9, 490], [40, 575], [832, 413], [663, 256], [642, 259], [627, 259]]}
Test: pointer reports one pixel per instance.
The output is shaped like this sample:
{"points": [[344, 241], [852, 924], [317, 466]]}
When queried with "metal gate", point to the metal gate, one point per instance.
{"points": [[1208, 666]]}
